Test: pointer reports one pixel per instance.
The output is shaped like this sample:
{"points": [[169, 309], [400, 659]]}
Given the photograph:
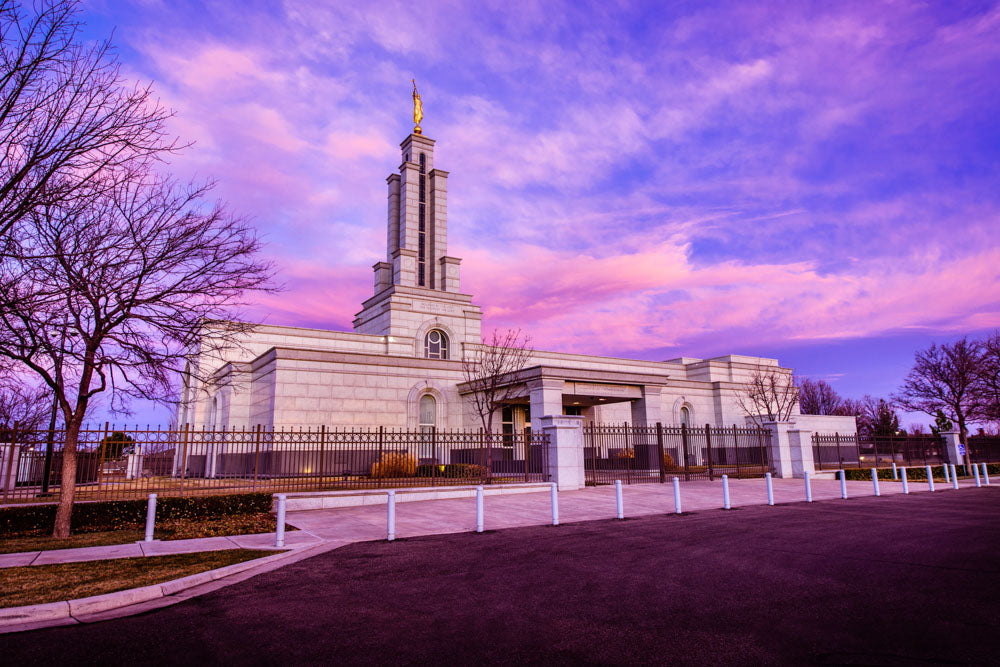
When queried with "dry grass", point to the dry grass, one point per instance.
{"points": [[240, 524], [69, 581]]}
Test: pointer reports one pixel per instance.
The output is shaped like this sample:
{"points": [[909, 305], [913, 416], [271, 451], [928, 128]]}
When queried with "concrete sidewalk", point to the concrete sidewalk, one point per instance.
{"points": [[436, 517]]}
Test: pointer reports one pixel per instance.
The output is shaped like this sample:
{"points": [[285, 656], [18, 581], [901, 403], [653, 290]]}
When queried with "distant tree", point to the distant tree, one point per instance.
{"points": [[877, 417], [769, 395], [22, 404], [988, 376], [817, 397], [117, 444], [916, 429], [487, 369], [941, 423], [67, 115], [946, 378]]}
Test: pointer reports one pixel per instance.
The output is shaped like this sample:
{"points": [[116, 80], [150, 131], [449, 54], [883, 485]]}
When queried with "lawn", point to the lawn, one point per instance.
{"points": [[69, 581], [240, 524]]}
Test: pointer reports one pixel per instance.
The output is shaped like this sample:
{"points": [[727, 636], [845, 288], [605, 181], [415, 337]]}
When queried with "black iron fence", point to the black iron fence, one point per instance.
{"points": [[118, 463], [638, 454], [839, 451], [984, 448]]}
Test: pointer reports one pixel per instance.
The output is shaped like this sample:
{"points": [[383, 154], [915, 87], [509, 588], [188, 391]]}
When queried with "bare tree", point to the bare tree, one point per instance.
{"points": [[487, 370], [67, 115], [769, 395], [876, 416], [817, 397], [945, 377], [107, 294], [23, 404], [988, 376]]}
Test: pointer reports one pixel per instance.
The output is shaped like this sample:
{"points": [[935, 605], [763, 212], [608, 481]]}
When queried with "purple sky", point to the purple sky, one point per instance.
{"points": [[818, 182]]}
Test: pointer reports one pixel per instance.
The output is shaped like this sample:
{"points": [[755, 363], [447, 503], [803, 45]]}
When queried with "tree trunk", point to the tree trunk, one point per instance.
{"points": [[67, 485]]}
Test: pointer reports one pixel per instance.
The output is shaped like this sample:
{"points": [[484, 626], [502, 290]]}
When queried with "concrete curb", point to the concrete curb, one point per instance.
{"points": [[138, 600]]}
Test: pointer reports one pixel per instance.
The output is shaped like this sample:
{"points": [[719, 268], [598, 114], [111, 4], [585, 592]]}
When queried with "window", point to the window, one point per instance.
{"points": [[435, 345], [428, 412], [573, 410], [685, 416]]}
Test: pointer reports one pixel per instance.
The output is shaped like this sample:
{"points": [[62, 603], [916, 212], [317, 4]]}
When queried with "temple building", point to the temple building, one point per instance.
{"points": [[401, 367]]}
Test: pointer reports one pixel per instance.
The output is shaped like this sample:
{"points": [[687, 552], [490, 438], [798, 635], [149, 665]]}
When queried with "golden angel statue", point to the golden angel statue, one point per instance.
{"points": [[418, 109]]}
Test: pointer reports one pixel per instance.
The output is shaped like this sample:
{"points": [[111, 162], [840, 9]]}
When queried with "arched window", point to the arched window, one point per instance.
{"points": [[435, 345], [685, 416], [428, 412]]}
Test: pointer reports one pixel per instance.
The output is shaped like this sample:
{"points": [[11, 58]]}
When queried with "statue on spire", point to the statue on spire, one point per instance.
{"points": [[418, 109]]}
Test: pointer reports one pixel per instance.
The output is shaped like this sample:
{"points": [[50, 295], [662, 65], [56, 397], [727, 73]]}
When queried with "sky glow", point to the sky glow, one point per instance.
{"points": [[814, 181]]}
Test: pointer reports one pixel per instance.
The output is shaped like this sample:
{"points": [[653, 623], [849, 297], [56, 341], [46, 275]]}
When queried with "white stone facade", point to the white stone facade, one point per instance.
{"points": [[376, 376]]}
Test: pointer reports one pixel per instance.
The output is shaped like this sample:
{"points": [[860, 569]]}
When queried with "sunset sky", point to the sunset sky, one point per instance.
{"points": [[819, 182]]}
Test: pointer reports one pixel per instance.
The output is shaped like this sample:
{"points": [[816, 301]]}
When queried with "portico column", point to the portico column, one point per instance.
{"points": [[646, 411], [545, 395]]}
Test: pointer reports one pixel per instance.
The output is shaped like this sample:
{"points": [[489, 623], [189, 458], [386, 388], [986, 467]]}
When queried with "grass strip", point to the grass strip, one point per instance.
{"points": [[69, 581], [174, 529]]}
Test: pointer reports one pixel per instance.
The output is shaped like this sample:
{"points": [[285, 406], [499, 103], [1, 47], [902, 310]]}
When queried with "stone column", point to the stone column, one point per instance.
{"points": [[546, 398], [646, 411], [565, 449], [801, 452], [8, 465], [954, 449], [780, 449]]}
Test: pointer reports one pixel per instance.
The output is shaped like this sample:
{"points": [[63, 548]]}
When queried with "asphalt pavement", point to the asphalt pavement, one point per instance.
{"points": [[895, 580]]}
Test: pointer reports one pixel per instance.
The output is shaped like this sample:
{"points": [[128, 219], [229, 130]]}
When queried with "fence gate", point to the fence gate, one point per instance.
{"points": [[644, 454]]}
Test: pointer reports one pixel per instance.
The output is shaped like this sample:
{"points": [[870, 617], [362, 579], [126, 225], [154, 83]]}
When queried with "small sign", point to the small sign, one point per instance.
{"points": [[961, 449]]}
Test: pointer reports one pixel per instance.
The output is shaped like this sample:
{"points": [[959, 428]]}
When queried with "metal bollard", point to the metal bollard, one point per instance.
{"points": [[986, 475], [555, 504], [906, 482], [390, 517], [618, 499], [279, 533], [770, 488], [677, 496], [725, 492], [930, 479], [479, 509], [875, 481], [150, 516], [975, 469], [809, 490], [954, 477], [947, 474], [894, 472], [843, 485]]}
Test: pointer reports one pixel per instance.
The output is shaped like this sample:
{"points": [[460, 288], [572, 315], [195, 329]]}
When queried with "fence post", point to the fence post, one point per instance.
{"points": [[479, 509], [725, 491], [736, 452], [256, 454], [840, 458], [677, 496], [100, 458], [555, 503], [843, 484], [390, 518], [618, 499], [381, 463], [434, 456], [150, 517], [954, 477], [770, 488], [763, 456], [809, 491], [279, 532], [708, 445], [986, 474], [906, 484], [184, 454], [975, 469], [659, 448], [527, 451], [930, 479], [684, 445], [322, 456], [875, 480]]}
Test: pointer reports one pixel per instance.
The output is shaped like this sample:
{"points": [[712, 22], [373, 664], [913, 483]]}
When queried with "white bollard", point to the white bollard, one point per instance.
{"points": [[954, 477], [875, 481], [150, 517], [975, 469], [390, 517], [618, 499], [479, 509], [770, 488], [555, 504], [986, 475], [725, 492], [809, 490], [906, 483], [279, 533], [843, 484], [930, 479], [677, 496], [947, 474], [895, 474]]}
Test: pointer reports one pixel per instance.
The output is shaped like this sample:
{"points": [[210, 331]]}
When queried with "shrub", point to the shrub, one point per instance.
{"points": [[28, 520], [395, 464], [625, 454], [452, 471], [668, 462]]}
